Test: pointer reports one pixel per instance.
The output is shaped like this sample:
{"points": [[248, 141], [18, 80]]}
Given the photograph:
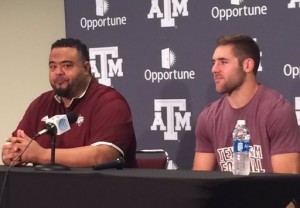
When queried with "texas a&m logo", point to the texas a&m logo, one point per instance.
{"points": [[171, 9], [294, 4], [176, 118], [105, 64]]}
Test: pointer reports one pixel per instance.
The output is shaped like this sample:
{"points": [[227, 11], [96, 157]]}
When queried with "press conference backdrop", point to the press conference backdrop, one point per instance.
{"points": [[157, 53]]}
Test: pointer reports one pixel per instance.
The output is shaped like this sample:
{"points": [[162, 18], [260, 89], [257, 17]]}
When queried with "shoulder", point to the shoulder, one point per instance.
{"points": [[214, 107], [273, 98], [211, 111], [45, 97], [269, 93], [102, 90], [104, 94]]}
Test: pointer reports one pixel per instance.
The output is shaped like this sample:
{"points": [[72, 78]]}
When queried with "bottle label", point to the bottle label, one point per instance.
{"points": [[241, 146]]}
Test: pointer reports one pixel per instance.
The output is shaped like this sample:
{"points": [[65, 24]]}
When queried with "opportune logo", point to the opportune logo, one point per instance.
{"points": [[177, 118], [291, 71], [236, 2], [168, 60], [171, 9], [228, 13], [107, 60], [297, 107], [293, 4], [102, 8]]}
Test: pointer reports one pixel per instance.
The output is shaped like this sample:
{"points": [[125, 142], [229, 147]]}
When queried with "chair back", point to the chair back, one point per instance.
{"points": [[152, 159]]}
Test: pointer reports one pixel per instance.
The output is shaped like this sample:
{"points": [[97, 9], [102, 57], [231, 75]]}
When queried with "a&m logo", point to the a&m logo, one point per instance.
{"points": [[176, 117], [294, 4], [259, 67], [105, 64], [171, 9], [297, 107]]}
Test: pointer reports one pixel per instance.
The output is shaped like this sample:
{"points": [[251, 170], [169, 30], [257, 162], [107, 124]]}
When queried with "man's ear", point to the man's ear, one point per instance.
{"points": [[248, 65], [87, 67]]}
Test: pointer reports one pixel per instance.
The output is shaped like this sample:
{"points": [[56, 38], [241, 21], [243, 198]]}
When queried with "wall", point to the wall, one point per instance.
{"points": [[28, 28]]}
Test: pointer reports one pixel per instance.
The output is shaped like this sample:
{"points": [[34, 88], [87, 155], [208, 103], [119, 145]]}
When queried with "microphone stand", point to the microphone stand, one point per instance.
{"points": [[52, 166]]}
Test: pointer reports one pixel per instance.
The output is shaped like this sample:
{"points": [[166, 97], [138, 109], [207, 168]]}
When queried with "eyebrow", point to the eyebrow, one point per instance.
{"points": [[62, 62], [220, 59]]}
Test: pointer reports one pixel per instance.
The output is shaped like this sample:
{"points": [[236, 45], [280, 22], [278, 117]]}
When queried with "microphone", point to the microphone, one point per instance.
{"points": [[58, 124], [118, 163]]}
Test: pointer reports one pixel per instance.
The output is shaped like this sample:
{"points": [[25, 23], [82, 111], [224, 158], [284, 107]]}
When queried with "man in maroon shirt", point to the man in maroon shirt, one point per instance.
{"points": [[271, 119], [104, 128]]}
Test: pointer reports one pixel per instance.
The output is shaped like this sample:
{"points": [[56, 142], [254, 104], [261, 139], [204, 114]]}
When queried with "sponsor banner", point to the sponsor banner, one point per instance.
{"points": [[158, 53]]}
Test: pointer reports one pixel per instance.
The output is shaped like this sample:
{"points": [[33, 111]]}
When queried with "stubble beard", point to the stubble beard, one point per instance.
{"points": [[231, 84]]}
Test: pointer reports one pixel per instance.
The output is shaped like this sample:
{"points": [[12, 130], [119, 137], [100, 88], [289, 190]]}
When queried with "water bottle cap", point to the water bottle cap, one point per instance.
{"points": [[241, 122]]}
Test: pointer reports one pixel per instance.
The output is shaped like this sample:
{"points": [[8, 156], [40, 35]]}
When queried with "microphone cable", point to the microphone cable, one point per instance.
{"points": [[8, 169]]}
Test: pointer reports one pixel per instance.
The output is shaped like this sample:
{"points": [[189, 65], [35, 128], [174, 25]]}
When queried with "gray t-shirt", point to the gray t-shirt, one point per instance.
{"points": [[270, 118]]}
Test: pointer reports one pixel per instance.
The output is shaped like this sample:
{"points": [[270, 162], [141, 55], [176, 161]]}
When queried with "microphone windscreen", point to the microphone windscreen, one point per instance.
{"points": [[72, 117]]}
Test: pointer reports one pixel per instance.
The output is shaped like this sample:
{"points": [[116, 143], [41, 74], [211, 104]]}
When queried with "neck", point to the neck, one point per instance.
{"points": [[68, 101], [243, 95]]}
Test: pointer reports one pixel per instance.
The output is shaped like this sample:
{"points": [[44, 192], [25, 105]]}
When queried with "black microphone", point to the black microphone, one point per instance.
{"points": [[118, 163], [58, 124]]}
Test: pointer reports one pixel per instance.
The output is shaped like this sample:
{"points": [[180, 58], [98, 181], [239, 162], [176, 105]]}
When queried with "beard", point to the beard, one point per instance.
{"points": [[232, 84], [63, 92], [228, 88]]}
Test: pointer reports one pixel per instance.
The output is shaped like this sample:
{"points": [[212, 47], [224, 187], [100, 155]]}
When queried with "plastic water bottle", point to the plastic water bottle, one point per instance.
{"points": [[241, 141]]}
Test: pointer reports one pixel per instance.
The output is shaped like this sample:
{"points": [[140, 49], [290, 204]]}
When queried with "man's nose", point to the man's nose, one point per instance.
{"points": [[214, 68]]}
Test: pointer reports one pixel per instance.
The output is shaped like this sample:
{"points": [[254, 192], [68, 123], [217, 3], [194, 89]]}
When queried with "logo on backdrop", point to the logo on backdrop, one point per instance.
{"points": [[170, 10], [102, 8], [106, 64], [236, 2], [259, 67], [293, 4], [176, 117], [237, 11], [168, 60], [297, 108], [291, 71]]}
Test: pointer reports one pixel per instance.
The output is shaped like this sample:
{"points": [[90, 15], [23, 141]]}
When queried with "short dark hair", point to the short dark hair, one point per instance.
{"points": [[243, 47], [73, 43]]}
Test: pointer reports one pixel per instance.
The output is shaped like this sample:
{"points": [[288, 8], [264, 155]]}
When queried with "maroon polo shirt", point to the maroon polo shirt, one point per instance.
{"points": [[104, 117]]}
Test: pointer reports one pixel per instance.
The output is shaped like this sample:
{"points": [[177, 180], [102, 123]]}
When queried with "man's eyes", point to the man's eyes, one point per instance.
{"points": [[65, 66]]}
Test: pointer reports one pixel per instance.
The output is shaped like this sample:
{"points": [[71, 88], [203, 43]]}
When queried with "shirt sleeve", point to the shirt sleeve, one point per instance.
{"points": [[283, 130], [203, 140], [112, 122]]}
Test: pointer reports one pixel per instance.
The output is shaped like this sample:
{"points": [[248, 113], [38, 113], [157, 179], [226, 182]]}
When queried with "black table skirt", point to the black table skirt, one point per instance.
{"points": [[142, 188]]}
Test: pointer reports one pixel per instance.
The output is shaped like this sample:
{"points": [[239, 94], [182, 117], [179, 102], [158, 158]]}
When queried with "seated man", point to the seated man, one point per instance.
{"points": [[104, 128], [271, 119], [275, 137]]}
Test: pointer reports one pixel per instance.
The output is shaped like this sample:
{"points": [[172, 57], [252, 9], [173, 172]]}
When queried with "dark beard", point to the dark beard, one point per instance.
{"points": [[63, 92]]}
